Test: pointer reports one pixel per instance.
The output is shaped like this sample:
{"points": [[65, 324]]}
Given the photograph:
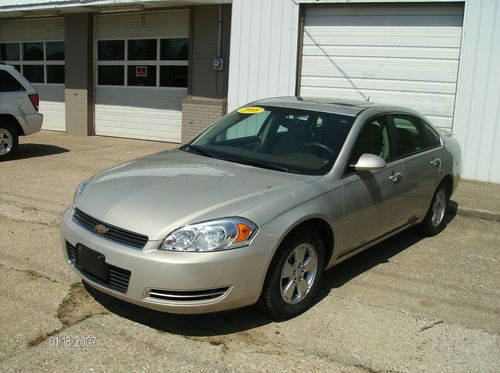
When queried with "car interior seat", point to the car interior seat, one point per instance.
{"points": [[294, 140]]}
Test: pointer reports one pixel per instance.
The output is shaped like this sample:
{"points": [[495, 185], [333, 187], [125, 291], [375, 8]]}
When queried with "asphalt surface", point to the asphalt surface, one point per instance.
{"points": [[408, 304]]}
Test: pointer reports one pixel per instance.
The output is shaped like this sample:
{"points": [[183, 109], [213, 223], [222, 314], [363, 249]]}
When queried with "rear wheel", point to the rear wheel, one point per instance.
{"points": [[294, 275], [435, 220], [8, 141]]}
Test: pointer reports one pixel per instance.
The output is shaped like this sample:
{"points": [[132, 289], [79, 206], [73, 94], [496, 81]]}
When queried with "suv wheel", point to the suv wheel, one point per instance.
{"points": [[8, 141], [294, 275]]}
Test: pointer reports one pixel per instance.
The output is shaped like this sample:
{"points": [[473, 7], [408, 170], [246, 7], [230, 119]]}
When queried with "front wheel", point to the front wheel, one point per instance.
{"points": [[8, 141], [435, 220], [294, 275]]}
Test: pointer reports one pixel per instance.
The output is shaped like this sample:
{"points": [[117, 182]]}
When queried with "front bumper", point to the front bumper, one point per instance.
{"points": [[166, 280]]}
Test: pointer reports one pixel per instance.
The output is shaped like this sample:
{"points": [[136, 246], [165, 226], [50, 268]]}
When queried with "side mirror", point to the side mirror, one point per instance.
{"points": [[369, 162]]}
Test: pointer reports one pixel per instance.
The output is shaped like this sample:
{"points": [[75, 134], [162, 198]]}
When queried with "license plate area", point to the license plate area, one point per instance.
{"points": [[92, 262]]}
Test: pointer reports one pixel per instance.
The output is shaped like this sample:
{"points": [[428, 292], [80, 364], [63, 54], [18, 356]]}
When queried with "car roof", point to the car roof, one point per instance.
{"points": [[328, 105]]}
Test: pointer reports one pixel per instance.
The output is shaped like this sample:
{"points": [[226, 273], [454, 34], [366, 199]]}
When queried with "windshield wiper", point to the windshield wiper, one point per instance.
{"points": [[255, 163], [197, 149]]}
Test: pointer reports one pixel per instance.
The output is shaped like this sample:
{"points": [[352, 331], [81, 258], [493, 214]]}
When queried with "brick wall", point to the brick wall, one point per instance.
{"points": [[198, 114]]}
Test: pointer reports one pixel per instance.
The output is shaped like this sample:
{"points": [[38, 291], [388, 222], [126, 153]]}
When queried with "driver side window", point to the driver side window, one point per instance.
{"points": [[373, 139]]}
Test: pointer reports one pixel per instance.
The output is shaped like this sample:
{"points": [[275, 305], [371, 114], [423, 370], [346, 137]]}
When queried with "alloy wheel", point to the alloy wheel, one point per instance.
{"points": [[438, 208], [6, 141], [298, 273]]}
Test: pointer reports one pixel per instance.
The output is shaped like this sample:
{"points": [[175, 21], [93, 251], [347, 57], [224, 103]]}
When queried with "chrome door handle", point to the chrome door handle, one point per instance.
{"points": [[396, 177], [435, 162]]}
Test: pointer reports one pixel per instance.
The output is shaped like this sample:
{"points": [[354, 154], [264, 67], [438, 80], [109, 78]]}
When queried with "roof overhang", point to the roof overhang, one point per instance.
{"points": [[51, 8]]}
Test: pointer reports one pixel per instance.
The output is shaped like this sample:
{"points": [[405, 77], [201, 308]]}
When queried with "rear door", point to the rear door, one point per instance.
{"points": [[421, 162]]}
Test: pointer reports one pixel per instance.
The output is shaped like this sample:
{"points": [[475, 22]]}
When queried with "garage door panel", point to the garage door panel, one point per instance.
{"points": [[433, 104], [52, 106], [383, 51], [392, 39], [393, 10], [381, 68], [141, 111], [380, 84], [399, 54], [148, 25]]}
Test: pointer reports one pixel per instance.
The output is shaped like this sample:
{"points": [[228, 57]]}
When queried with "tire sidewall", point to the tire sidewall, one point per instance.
{"points": [[15, 140], [285, 310], [429, 228]]}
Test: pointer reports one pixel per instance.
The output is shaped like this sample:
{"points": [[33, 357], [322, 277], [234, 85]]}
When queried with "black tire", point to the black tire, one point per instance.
{"points": [[7, 129], [271, 300], [428, 227]]}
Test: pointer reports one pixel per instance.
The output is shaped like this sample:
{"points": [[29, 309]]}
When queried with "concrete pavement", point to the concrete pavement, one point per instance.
{"points": [[408, 304]]}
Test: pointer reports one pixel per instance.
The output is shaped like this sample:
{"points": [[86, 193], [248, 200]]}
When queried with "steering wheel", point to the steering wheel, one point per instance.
{"points": [[318, 145]]}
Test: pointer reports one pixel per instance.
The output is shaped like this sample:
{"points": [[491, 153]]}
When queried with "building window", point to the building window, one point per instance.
{"points": [[158, 62], [39, 62]]}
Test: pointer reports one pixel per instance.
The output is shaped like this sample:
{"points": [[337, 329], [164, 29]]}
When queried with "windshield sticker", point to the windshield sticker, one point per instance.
{"points": [[250, 110]]}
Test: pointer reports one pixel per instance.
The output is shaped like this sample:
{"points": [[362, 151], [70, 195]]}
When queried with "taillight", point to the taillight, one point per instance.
{"points": [[34, 100]]}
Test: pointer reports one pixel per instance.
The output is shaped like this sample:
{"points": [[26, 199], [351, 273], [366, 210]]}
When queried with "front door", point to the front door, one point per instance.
{"points": [[372, 198]]}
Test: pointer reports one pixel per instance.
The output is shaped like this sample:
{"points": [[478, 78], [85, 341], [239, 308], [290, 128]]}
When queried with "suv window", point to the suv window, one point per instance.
{"points": [[8, 83], [373, 139], [410, 133]]}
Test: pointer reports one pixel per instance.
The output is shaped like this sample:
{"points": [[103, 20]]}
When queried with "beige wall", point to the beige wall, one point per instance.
{"points": [[79, 74]]}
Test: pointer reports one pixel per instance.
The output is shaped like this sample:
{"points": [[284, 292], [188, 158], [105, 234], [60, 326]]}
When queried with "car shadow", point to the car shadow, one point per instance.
{"points": [[228, 322], [30, 150]]}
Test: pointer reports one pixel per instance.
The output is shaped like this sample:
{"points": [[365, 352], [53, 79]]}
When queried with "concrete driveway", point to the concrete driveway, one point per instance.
{"points": [[409, 304]]}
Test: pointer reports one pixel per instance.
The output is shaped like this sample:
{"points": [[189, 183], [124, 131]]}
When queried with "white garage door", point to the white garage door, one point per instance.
{"points": [[402, 55], [141, 74], [36, 48]]}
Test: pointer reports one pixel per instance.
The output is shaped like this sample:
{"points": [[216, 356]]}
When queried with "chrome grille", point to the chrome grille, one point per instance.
{"points": [[186, 296], [116, 234], [118, 278]]}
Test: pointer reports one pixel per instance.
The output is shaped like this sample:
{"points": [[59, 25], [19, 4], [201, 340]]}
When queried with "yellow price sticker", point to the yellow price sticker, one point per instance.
{"points": [[250, 110]]}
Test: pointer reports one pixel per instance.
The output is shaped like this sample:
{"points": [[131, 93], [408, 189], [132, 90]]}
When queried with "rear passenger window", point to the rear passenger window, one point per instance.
{"points": [[8, 83], [410, 133], [434, 139]]}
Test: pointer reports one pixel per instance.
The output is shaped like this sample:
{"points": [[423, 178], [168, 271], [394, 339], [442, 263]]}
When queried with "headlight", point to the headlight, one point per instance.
{"points": [[221, 234], [79, 189]]}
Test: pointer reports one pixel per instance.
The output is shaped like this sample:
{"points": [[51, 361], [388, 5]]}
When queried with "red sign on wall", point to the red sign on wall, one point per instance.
{"points": [[141, 71]]}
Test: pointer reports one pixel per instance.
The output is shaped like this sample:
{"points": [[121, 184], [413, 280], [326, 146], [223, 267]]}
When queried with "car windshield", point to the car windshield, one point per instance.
{"points": [[283, 139]]}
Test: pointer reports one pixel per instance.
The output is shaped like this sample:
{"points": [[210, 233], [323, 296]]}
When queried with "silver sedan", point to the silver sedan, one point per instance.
{"points": [[259, 205]]}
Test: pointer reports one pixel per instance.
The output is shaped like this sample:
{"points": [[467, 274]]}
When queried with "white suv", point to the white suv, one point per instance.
{"points": [[19, 114]]}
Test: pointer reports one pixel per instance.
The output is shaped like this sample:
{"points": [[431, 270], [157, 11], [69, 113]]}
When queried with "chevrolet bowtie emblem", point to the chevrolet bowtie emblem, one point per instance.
{"points": [[101, 229]]}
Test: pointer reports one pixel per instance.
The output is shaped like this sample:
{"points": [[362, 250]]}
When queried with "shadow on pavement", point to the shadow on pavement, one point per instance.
{"points": [[37, 150], [250, 317]]}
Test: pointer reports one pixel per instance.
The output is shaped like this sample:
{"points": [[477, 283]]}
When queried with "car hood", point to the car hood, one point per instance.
{"points": [[159, 193]]}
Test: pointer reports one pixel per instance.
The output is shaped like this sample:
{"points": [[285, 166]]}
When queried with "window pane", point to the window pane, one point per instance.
{"points": [[8, 83], [9, 52], [17, 67], [110, 75], [33, 51], [34, 73], [142, 75], [55, 73], [249, 126], [410, 134], [373, 139], [54, 51], [433, 136], [173, 76], [142, 49], [111, 50], [174, 49]]}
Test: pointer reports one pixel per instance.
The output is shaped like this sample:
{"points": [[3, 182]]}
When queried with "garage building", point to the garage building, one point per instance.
{"points": [[127, 73]]}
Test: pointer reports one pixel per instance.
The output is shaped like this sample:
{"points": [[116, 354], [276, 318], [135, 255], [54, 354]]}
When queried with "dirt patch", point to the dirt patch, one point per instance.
{"points": [[77, 306]]}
